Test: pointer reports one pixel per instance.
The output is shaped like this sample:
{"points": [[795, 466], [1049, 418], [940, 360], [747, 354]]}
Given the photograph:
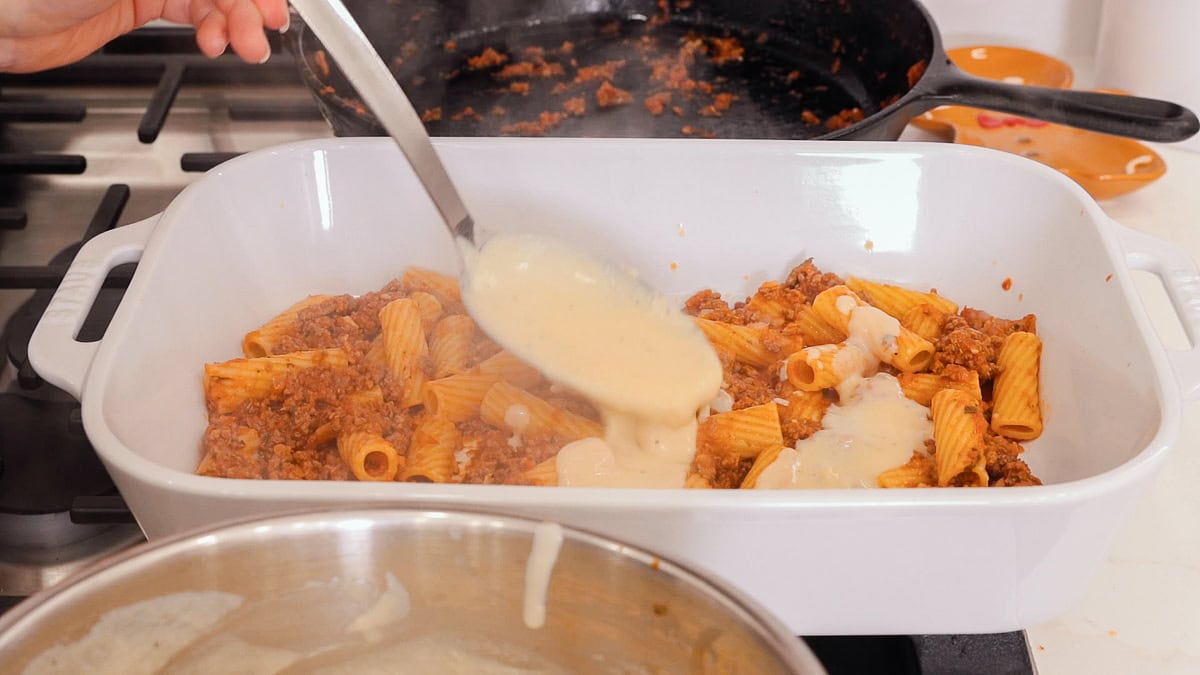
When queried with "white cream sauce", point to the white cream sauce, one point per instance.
{"points": [[594, 329], [393, 605], [516, 417], [633, 453], [876, 430], [875, 427], [138, 638], [547, 542]]}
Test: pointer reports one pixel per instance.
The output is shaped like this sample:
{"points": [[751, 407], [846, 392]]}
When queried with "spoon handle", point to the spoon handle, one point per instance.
{"points": [[357, 58]]}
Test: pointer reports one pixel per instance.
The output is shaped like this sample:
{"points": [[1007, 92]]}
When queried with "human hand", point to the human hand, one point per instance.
{"points": [[40, 34]]}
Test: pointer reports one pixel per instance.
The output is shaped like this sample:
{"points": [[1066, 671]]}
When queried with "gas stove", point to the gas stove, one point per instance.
{"points": [[110, 141]]}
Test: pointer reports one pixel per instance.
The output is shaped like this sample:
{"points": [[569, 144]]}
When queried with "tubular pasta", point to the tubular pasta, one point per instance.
{"points": [[431, 452], [505, 366], [227, 385], [430, 309], [958, 430], [450, 344], [442, 286], [911, 352], [264, 340], [814, 329], [544, 417], [544, 473], [761, 462], [766, 304], [369, 456], [400, 384], [925, 320], [746, 432], [821, 367], [921, 387], [898, 301], [404, 347], [805, 405], [745, 343], [917, 472], [458, 397], [1016, 404]]}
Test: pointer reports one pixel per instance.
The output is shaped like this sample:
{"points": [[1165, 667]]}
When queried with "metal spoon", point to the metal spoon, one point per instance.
{"points": [[356, 56], [607, 312]]}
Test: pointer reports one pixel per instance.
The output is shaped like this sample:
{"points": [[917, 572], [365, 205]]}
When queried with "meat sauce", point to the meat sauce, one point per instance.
{"points": [[291, 433]]}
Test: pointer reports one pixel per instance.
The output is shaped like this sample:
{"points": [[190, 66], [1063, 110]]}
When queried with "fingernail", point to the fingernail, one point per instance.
{"points": [[266, 56], [287, 23]]}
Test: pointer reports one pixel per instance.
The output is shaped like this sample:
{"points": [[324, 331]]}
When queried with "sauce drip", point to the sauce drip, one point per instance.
{"points": [[875, 431], [594, 329]]}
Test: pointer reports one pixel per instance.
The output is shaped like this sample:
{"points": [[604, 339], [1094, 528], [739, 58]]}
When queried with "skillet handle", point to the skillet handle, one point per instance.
{"points": [[1181, 279], [56, 355], [1145, 119]]}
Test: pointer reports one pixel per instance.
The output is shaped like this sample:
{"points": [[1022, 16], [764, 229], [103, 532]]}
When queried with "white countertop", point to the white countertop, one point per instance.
{"points": [[1142, 613]]}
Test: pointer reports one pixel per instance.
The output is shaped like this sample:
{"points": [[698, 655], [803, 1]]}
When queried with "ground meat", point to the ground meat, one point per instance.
{"points": [[575, 106], [467, 113], [844, 118], [722, 470], [536, 68], [709, 305], [608, 96], [657, 103], [749, 386], [290, 430], [432, 115], [488, 58], [810, 281], [964, 346], [776, 304], [1004, 466], [725, 50], [990, 325], [721, 103], [796, 428], [494, 460], [546, 121], [604, 71]]}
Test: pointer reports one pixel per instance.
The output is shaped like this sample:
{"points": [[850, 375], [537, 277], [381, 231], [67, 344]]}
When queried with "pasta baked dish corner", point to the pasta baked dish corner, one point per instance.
{"points": [[828, 383]]}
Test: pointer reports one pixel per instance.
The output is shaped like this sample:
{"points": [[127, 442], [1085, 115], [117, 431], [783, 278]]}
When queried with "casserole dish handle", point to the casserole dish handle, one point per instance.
{"points": [[56, 355], [1181, 279]]}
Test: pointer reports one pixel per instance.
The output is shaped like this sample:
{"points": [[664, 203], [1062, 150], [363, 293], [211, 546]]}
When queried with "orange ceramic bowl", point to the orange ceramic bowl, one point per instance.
{"points": [[1106, 166]]}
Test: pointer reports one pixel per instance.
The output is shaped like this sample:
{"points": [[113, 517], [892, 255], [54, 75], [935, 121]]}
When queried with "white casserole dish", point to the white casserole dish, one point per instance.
{"points": [[336, 216]]}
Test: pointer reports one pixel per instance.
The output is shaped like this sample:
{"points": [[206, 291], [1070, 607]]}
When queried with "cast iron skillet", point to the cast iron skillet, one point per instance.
{"points": [[798, 69]]}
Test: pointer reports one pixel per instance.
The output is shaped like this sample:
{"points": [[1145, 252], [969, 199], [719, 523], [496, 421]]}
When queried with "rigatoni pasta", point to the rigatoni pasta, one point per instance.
{"points": [[400, 385]]}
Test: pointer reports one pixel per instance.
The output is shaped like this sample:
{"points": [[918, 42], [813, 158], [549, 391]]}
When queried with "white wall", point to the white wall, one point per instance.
{"points": [[1064, 28]]}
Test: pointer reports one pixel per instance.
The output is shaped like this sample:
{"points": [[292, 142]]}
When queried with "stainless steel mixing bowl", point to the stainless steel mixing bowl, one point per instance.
{"points": [[305, 577]]}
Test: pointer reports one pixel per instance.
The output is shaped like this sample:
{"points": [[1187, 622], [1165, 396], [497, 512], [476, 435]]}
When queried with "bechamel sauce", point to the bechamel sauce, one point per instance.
{"points": [[391, 606], [547, 541], [874, 431], [874, 428], [139, 638], [640, 361], [516, 417]]}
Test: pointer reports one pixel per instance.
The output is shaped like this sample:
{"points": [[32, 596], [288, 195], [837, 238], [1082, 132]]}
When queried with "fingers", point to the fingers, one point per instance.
{"points": [[274, 13], [245, 30], [237, 23], [212, 35]]}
